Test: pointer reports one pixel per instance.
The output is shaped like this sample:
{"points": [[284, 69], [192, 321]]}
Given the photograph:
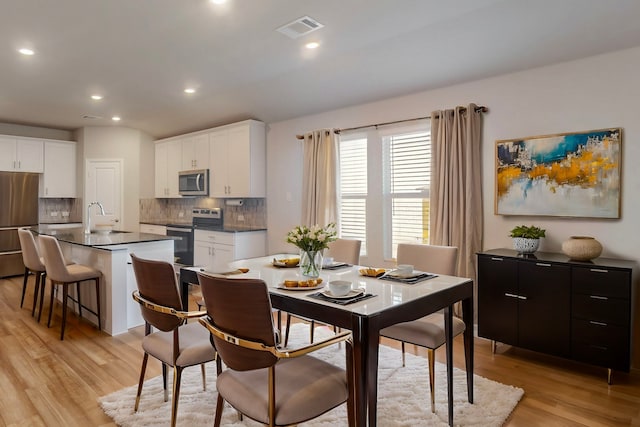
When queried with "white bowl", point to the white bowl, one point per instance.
{"points": [[339, 288], [404, 269]]}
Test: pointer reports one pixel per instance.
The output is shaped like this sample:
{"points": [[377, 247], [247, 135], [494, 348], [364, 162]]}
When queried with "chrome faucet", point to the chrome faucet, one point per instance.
{"points": [[87, 229]]}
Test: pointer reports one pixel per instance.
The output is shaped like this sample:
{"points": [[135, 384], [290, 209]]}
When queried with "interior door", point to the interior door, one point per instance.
{"points": [[104, 185]]}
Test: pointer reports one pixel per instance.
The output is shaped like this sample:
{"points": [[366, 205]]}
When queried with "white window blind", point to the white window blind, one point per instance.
{"points": [[353, 190], [408, 175]]}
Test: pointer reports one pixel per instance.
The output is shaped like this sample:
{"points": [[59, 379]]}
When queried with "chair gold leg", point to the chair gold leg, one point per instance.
{"points": [[143, 369], [431, 354], [177, 374], [403, 358]]}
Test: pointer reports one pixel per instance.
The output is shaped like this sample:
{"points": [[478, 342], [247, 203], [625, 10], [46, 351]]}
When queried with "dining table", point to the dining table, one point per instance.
{"points": [[383, 303]]}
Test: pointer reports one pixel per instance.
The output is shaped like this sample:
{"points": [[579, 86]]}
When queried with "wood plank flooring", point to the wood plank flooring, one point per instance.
{"points": [[48, 382]]}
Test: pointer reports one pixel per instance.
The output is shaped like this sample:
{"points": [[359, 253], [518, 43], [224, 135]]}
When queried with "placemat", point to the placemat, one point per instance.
{"points": [[409, 280], [341, 301], [337, 266]]}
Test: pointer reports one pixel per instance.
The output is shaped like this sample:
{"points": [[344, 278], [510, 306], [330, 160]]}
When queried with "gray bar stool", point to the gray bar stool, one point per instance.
{"points": [[64, 275], [33, 263]]}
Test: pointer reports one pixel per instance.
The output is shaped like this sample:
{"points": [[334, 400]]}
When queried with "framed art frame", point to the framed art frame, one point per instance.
{"points": [[567, 174]]}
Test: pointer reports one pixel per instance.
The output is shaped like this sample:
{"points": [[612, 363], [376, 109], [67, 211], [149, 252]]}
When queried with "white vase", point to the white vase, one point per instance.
{"points": [[525, 245], [582, 248]]}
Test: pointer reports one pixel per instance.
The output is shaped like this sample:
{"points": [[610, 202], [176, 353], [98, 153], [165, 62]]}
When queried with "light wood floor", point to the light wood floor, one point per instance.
{"points": [[48, 382]]}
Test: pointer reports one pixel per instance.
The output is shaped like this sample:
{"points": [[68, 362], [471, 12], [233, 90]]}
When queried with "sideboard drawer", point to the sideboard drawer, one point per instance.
{"points": [[601, 281], [600, 333], [597, 354], [604, 309]]}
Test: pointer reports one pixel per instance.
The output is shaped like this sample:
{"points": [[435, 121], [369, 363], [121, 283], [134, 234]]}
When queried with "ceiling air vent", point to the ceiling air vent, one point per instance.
{"points": [[90, 117], [300, 27]]}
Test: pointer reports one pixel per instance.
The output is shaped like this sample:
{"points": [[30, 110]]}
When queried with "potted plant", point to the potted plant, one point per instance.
{"points": [[526, 239]]}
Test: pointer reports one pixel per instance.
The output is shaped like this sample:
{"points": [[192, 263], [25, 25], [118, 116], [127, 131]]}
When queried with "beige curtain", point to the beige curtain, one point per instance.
{"points": [[456, 192], [320, 178]]}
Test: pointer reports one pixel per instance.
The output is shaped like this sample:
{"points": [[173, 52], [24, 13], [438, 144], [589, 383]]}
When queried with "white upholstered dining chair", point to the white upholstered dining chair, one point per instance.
{"points": [[427, 331]]}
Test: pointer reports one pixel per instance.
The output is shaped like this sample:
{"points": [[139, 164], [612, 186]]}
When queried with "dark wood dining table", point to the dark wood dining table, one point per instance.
{"points": [[393, 303]]}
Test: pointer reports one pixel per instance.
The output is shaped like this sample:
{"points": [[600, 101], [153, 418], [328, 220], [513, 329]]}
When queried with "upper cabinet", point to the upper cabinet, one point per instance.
{"points": [[195, 152], [59, 178], [235, 155], [168, 164], [238, 160], [21, 155]]}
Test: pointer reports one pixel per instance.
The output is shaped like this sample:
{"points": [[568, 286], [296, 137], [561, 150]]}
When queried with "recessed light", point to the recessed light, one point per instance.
{"points": [[26, 51], [218, 1], [115, 118], [312, 45], [189, 90], [96, 97]]}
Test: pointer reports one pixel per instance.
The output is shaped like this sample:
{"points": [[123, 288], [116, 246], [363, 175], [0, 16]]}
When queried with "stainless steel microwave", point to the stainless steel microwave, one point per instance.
{"points": [[193, 182]]}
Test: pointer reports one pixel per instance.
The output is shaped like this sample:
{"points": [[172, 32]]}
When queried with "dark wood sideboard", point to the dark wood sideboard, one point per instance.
{"points": [[546, 302]]}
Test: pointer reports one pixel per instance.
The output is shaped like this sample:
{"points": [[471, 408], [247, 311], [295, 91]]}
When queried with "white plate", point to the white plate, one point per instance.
{"points": [[275, 263], [395, 273], [352, 293], [300, 288]]}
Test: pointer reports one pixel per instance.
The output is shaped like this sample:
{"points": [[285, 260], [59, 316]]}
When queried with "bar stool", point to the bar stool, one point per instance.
{"points": [[64, 275], [33, 263]]}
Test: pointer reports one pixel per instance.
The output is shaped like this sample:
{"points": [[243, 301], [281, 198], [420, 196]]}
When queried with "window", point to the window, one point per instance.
{"points": [[384, 188]]}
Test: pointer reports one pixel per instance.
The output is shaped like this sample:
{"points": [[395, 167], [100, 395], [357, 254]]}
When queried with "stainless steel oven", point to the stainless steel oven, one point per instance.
{"points": [[183, 243]]}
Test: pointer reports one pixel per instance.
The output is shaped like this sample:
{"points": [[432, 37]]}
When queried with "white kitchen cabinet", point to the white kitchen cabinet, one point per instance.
{"points": [[214, 250], [195, 152], [153, 229], [238, 160], [168, 163], [59, 177], [21, 154]]}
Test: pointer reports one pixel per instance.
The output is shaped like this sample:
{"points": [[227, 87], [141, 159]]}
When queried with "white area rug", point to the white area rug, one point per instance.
{"points": [[403, 396]]}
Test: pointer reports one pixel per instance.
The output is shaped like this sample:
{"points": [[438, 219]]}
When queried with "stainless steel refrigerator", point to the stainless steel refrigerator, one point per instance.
{"points": [[18, 208]]}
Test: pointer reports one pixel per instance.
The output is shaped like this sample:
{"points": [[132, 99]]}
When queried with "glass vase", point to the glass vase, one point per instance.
{"points": [[310, 263]]}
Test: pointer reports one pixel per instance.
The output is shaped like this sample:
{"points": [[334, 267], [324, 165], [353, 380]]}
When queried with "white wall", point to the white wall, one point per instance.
{"points": [[135, 148], [597, 92]]}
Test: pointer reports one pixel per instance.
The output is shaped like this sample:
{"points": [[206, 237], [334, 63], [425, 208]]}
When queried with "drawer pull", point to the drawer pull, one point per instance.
{"points": [[496, 259], [510, 295], [599, 270], [598, 347], [521, 297], [543, 264], [598, 297], [593, 322]]}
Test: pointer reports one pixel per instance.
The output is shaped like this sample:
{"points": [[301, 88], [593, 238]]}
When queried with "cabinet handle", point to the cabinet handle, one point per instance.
{"points": [[543, 264], [598, 347], [497, 259], [19, 164], [522, 297], [598, 297], [599, 270], [593, 322], [14, 164], [510, 295]]}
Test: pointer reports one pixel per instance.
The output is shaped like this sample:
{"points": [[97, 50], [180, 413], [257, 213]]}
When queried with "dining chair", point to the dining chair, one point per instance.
{"points": [[427, 331], [60, 273], [33, 263], [270, 385], [175, 342], [341, 250]]}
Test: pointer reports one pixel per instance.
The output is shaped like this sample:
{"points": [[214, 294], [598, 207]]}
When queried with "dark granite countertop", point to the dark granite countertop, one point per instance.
{"points": [[102, 241]]}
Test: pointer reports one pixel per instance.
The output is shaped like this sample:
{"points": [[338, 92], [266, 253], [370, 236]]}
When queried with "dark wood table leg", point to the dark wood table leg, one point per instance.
{"points": [[359, 370], [467, 317], [372, 334], [448, 332], [186, 277]]}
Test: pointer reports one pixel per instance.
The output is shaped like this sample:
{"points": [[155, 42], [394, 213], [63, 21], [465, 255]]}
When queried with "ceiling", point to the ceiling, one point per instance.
{"points": [[141, 54]]}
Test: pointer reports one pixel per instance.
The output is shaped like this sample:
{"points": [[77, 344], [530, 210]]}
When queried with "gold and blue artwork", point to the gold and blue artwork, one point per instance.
{"points": [[568, 174]]}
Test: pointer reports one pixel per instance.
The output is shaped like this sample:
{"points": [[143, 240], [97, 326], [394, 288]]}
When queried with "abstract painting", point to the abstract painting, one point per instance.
{"points": [[568, 174]]}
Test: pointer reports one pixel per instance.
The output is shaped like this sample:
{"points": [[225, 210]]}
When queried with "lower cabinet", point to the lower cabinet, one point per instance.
{"points": [[214, 250], [548, 303]]}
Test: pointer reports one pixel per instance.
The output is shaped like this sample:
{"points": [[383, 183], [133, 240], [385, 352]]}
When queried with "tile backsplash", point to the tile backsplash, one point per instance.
{"points": [[252, 213], [59, 210]]}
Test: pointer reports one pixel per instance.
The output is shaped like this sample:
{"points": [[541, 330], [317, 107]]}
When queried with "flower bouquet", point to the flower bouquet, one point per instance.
{"points": [[312, 241]]}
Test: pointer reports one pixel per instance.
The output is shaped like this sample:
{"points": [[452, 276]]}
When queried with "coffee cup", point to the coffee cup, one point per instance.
{"points": [[339, 288], [327, 260], [404, 269]]}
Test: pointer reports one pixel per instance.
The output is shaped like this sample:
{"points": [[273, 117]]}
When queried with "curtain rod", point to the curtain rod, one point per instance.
{"points": [[480, 108]]}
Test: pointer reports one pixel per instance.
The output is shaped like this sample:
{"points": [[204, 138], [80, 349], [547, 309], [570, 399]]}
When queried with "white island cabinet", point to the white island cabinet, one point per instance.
{"points": [[111, 255]]}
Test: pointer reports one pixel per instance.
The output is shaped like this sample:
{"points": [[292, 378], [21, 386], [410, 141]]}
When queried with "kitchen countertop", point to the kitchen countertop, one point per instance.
{"points": [[101, 241], [225, 229]]}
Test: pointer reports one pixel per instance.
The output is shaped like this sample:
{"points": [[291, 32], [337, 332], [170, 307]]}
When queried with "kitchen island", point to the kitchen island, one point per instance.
{"points": [[109, 253]]}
